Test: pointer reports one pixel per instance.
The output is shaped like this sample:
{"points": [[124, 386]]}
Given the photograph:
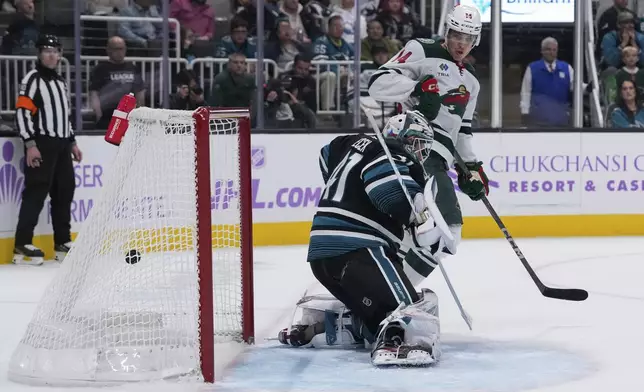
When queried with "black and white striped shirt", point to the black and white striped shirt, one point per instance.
{"points": [[43, 107]]}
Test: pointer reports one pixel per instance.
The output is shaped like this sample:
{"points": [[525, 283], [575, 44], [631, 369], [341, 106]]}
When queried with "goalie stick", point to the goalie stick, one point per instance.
{"points": [[372, 121], [550, 292]]}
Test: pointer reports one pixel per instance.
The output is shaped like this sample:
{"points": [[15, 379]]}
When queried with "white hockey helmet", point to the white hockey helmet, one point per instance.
{"points": [[413, 130], [465, 19]]}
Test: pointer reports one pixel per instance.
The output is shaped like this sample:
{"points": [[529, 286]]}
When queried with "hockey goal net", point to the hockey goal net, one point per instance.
{"points": [[161, 271]]}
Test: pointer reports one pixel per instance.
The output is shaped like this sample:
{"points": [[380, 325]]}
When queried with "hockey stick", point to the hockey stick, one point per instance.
{"points": [[550, 292], [372, 121]]}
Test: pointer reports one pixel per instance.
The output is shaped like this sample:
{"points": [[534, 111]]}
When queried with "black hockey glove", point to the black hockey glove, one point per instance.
{"points": [[475, 186], [429, 98]]}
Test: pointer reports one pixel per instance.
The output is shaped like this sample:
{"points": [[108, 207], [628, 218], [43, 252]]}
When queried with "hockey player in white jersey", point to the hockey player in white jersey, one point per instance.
{"points": [[355, 240], [430, 76]]}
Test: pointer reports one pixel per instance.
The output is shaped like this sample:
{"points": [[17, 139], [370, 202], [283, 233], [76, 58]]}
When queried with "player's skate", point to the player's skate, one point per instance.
{"points": [[410, 336], [28, 255], [61, 251]]}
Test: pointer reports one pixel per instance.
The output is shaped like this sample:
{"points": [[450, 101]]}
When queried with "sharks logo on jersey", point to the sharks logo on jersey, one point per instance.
{"points": [[456, 100]]}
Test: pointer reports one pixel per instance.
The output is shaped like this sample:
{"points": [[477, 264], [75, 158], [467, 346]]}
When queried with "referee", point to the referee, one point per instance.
{"points": [[43, 119]]}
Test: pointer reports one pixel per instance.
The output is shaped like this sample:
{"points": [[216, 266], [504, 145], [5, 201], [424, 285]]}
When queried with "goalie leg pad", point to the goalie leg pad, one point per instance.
{"points": [[340, 331], [410, 336], [324, 322]]}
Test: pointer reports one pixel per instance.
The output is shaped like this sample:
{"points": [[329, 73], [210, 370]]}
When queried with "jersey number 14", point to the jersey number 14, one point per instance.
{"points": [[337, 182], [401, 57]]}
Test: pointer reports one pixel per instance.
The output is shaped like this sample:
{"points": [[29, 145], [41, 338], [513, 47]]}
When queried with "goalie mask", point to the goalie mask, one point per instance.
{"points": [[413, 131]]}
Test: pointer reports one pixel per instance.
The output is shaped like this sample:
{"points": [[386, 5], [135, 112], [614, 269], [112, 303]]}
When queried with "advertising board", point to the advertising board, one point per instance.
{"points": [[558, 184]]}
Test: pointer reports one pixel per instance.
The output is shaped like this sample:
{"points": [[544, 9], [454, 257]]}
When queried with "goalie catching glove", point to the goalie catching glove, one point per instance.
{"points": [[431, 232], [476, 185]]}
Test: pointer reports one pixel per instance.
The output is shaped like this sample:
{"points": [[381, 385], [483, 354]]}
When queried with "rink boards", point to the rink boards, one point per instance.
{"points": [[542, 184]]}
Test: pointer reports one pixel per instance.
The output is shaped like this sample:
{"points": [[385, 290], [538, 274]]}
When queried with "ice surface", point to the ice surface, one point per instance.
{"points": [[521, 340]]}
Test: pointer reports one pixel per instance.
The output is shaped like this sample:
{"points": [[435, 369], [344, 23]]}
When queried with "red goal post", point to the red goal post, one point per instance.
{"points": [[204, 117]]}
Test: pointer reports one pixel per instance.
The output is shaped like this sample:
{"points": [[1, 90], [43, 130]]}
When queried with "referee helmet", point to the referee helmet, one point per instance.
{"points": [[46, 41]]}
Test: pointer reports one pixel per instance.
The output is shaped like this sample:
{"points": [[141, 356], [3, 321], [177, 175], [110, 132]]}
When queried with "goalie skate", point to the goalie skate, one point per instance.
{"points": [[300, 335], [401, 355], [410, 335]]}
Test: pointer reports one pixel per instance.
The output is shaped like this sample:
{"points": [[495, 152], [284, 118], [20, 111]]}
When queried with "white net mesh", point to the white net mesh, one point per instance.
{"points": [[104, 319]]}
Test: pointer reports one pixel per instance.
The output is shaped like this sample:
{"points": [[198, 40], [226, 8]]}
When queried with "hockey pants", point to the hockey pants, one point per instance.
{"points": [[446, 199], [367, 281]]}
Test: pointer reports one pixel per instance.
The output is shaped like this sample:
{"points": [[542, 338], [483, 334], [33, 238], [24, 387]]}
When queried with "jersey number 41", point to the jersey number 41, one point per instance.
{"points": [[337, 182]]}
